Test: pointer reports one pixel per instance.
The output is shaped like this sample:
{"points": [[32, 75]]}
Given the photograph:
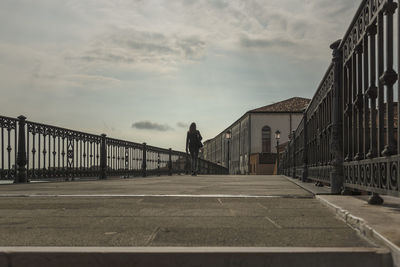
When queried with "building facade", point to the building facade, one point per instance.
{"points": [[253, 133]]}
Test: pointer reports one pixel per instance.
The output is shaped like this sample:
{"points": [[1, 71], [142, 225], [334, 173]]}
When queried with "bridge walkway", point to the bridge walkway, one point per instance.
{"points": [[172, 211]]}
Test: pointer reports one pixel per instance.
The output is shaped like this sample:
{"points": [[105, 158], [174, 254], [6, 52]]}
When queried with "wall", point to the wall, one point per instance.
{"points": [[207, 150], [239, 147], [277, 121], [235, 149], [244, 146], [216, 149]]}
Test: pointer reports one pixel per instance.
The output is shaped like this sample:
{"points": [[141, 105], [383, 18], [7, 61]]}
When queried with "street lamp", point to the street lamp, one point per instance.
{"points": [[277, 137], [228, 137]]}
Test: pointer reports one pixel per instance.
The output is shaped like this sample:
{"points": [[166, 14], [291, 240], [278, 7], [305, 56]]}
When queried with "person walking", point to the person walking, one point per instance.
{"points": [[193, 144]]}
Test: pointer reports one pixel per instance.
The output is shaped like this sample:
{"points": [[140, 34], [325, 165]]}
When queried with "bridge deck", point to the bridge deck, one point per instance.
{"points": [[170, 211], [166, 185]]}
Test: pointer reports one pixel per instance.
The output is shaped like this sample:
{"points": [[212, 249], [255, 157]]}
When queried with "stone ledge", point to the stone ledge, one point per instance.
{"points": [[363, 228], [193, 256], [310, 187]]}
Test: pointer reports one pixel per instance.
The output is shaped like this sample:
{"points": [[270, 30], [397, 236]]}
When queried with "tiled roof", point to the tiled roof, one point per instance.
{"points": [[294, 104]]}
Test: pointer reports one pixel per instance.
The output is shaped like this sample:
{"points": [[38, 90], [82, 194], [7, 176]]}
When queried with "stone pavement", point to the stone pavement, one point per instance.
{"points": [[165, 185], [225, 211], [379, 223]]}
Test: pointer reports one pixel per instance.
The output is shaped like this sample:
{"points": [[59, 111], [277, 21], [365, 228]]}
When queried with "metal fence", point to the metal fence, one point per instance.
{"points": [[349, 135], [35, 151]]}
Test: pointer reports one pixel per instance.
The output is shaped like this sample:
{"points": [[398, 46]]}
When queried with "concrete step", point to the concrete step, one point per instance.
{"points": [[193, 256]]}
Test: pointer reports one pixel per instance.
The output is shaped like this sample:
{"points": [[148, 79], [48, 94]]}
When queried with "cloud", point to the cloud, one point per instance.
{"points": [[332, 10], [148, 125], [74, 55], [134, 47], [182, 125], [265, 43]]}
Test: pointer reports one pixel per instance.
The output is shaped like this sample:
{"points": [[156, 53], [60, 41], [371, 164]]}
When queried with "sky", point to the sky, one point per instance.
{"points": [[143, 70]]}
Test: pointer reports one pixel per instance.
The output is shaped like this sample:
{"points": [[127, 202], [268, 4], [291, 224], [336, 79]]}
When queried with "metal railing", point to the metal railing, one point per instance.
{"points": [[35, 151], [349, 134]]}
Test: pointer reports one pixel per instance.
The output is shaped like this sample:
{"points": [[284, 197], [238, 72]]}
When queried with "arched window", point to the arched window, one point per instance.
{"points": [[266, 139]]}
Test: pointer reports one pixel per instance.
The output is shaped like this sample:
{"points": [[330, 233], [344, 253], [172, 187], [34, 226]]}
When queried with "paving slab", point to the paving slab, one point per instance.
{"points": [[375, 222], [385, 218], [170, 221], [205, 211], [165, 185]]}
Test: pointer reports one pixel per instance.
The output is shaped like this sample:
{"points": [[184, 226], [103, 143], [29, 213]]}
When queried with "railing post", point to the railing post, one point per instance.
{"points": [[305, 148], [336, 174], [144, 167], [21, 176], [170, 162], [103, 157]]}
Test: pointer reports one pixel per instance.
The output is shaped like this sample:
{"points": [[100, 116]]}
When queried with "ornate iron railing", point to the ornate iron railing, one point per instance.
{"points": [[8, 128], [35, 151], [350, 129]]}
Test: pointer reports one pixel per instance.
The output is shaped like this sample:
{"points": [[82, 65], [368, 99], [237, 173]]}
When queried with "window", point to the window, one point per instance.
{"points": [[266, 139]]}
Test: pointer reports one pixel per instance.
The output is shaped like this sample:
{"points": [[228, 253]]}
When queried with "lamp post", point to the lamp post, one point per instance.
{"points": [[277, 137], [228, 137]]}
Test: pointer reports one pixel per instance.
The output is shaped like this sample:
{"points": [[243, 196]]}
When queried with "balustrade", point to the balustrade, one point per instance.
{"points": [[350, 129], [35, 151]]}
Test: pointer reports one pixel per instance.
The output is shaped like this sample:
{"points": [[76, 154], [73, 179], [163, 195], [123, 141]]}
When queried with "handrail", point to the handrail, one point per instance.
{"points": [[349, 136], [31, 150]]}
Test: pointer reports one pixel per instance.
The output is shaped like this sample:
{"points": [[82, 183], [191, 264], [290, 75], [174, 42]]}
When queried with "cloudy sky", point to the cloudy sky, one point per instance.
{"points": [[142, 70]]}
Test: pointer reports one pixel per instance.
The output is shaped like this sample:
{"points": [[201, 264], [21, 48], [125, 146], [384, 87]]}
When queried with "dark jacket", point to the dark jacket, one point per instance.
{"points": [[193, 141]]}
